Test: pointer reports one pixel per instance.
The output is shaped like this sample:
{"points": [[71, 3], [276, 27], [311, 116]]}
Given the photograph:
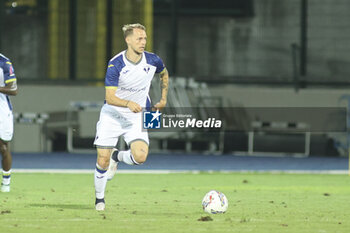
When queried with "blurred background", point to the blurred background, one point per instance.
{"points": [[223, 53]]}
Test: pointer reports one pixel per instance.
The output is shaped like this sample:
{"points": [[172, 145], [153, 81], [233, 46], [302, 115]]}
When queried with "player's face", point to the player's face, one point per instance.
{"points": [[137, 41]]}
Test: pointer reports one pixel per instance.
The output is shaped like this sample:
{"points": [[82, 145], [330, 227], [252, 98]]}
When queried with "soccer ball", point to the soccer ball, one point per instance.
{"points": [[215, 202]]}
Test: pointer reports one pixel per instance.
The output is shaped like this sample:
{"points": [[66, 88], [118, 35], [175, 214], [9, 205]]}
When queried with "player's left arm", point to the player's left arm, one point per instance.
{"points": [[10, 88], [164, 84]]}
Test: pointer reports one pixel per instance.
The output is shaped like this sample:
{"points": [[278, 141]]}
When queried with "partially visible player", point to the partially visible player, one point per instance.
{"points": [[8, 86], [128, 80]]}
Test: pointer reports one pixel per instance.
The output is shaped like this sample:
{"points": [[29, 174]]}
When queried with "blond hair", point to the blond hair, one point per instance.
{"points": [[129, 28]]}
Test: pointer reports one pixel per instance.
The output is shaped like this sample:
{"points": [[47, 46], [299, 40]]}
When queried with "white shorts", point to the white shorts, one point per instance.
{"points": [[6, 126], [113, 124]]}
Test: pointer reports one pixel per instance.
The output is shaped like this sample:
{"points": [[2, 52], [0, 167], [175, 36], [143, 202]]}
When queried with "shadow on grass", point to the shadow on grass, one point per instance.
{"points": [[63, 206]]}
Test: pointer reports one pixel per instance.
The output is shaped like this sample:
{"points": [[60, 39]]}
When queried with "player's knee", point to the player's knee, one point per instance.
{"points": [[140, 156]]}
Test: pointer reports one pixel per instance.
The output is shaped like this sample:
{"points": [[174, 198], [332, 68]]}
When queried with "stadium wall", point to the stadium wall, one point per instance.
{"points": [[248, 96], [260, 46]]}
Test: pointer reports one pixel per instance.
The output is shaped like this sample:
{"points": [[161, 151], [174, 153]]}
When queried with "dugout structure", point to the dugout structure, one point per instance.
{"points": [[279, 128], [30, 132]]}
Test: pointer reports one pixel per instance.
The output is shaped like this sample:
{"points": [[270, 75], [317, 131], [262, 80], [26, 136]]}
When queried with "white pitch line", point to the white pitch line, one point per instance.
{"points": [[91, 171], [149, 171]]}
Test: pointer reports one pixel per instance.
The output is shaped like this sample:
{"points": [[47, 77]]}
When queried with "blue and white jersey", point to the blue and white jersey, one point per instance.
{"points": [[132, 81], [7, 75]]}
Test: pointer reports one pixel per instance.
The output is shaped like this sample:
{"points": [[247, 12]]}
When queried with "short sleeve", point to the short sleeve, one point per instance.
{"points": [[156, 61], [9, 72], [159, 64], [112, 76]]}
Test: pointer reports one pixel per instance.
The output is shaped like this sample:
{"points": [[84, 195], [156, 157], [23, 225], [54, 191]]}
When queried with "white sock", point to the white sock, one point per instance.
{"points": [[100, 182], [6, 177], [127, 157]]}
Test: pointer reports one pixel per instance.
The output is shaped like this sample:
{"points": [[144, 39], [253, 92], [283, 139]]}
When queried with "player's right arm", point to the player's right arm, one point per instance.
{"points": [[111, 83], [111, 99]]}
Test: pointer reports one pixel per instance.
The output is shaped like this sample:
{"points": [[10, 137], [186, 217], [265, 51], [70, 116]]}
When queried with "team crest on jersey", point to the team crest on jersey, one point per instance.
{"points": [[12, 72], [146, 69]]}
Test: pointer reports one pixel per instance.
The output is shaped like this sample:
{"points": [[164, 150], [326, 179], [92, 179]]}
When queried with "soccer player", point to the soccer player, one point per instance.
{"points": [[8, 86], [127, 83]]}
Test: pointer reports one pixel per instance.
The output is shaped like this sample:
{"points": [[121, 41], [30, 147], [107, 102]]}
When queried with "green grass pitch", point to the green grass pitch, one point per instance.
{"points": [[172, 203]]}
